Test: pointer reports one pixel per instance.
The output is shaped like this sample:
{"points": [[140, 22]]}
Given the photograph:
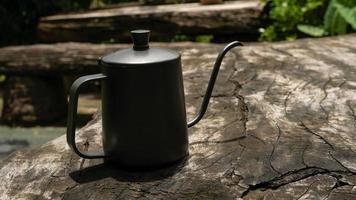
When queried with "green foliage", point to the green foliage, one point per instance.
{"points": [[181, 37], [198, 38], [204, 38], [334, 24], [290, 19], [338, 17], [285, 15], [348, 12]]}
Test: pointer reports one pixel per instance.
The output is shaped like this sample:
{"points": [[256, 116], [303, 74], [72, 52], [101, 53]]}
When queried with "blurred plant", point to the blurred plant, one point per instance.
{"points": [[198, 38], [289, 19], [204, 38], [181, 37], [2, 78], [340, 15], [284, 16]]}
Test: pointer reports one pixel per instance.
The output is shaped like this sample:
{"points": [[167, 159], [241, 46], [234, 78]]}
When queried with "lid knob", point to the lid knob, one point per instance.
{"points": [[140, 39]]}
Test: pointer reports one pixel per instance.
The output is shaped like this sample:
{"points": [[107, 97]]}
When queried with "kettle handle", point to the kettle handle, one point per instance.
{"points": [[72, 115], [211, 83]]}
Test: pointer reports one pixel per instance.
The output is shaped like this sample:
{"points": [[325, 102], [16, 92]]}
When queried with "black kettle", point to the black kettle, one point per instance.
{"points": [[143, 107]]}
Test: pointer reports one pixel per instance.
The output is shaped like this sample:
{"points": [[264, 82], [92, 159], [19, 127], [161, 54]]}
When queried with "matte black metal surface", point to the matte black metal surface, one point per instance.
{"points": [[140, 54], [140, 39], [72, 115], [143, 106], [129, 57], [144, 118]]}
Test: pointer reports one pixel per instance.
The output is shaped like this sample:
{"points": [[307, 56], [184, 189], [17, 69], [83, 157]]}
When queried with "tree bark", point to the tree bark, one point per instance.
{"points": [[33, 100], [231, 18], [280, 125], [67, 58]]}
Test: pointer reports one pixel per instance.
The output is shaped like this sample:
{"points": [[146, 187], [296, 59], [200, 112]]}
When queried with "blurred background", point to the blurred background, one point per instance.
{"points": [[46, 44]]}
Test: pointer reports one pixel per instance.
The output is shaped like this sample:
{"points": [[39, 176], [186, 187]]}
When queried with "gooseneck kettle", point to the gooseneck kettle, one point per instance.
{"points": [[143, 106]]}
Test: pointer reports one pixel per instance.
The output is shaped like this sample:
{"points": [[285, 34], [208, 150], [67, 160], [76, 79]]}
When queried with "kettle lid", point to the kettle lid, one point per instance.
{"points": [[140, 53]]}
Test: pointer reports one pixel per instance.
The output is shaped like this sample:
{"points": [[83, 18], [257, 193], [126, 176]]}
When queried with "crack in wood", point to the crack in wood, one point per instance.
{"points": [[291, 177], [208, 141], [323, 99], [218, 141], [243, 111], [242, 150], [340, 163], [234, 70], [307, 83], [269, 87], [274, 146], [297, 175], [216, 160], [204, 156], [285, 103], [338, 183], [301, 123], [353, 115], [283, 52], [257, 138], [307, 190], [243, 106], [303, 153], [342, 84], [287, 178]]}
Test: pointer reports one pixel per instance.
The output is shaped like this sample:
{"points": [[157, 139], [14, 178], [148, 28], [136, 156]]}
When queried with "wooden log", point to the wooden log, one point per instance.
{"points": [[66, 58], [35, 100], [230, 18], [280, 125], [42, 68], [49, 69]]}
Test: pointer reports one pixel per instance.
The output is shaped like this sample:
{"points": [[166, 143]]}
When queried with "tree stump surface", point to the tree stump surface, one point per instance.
{"points": [[281, 125], [229, 18]]}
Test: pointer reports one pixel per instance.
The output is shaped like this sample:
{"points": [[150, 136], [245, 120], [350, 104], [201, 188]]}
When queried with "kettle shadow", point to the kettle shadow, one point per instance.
{"points": [[106, 170]]}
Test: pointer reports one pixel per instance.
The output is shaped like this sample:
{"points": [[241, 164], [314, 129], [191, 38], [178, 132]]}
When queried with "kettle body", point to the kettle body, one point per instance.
{"points": [[143, 106], [143, 113]]}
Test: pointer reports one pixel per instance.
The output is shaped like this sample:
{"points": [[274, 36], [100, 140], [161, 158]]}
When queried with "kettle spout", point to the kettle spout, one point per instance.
{"points": [[211, 83]]}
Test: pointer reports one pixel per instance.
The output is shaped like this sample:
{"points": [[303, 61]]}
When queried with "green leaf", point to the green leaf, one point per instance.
{"points": [[339, 25], [329, 15], [311, 30], [348, 13], [313, 5], [334, 23]]}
